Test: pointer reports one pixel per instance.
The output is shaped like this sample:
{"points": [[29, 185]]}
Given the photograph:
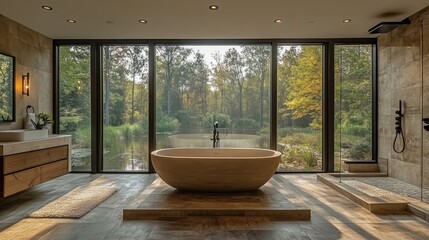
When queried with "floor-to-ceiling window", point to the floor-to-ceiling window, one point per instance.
{"points": [[353, 103], [125, 107], [299, 107], [120, 99], [74, 82], [199, 85]]}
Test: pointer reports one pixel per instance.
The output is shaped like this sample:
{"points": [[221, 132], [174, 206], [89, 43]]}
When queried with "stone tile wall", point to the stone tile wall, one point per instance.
{"points": [[33, 54], [400, 78]]}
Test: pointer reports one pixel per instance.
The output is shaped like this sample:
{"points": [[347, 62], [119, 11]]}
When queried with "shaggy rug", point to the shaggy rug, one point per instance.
{"points": [[76, 203]]}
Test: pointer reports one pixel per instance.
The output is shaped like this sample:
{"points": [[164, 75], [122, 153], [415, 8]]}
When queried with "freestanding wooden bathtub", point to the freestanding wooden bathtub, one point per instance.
{"points": [[215, 169]]}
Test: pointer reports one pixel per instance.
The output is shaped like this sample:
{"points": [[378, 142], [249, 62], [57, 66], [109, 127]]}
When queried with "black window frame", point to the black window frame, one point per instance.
{"points": [[328, 102]]}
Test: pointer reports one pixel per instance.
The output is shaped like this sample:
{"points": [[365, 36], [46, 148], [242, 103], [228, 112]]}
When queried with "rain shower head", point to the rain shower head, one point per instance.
{"points": [[385, 27]]}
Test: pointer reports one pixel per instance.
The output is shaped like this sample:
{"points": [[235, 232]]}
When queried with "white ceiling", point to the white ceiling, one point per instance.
{"points": [[191, 19]]}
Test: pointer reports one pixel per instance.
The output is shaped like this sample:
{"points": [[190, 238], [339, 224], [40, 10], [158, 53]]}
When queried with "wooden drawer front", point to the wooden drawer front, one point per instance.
{"points": [[53, 170], [17, 162], [20, 181]]}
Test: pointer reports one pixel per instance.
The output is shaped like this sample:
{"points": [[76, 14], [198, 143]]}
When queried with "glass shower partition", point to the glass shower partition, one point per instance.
{"points": [[425, 111]]}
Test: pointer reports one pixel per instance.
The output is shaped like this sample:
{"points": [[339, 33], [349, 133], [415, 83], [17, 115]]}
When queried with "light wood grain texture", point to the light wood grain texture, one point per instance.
{"points": [[362, 167], [53, 170], [378, 205], [333, 216], [160, 200], [21, 161], [22, 170], [157, 214], [20, 181], [54, 140], [215, 169]]}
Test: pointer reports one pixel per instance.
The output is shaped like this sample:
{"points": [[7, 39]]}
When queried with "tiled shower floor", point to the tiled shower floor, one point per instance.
{"points": [[386, 186]]}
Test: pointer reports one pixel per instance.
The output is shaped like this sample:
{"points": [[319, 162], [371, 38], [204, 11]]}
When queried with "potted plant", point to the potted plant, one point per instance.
{"points": [[43, 120]]}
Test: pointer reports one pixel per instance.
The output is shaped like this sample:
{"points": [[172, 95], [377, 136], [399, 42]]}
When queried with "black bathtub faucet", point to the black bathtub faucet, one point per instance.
{"points": [[216, 139]]}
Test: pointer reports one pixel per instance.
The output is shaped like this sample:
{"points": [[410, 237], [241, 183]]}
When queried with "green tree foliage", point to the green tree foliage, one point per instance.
{"points": [[235, 77], [6, 87], [75, 87], [236, 85], [287, 60], [353, 99], [171, 66], [138, 69], [234, 89], [354, 81], [305, 86], [258, 60], [125, 84]]}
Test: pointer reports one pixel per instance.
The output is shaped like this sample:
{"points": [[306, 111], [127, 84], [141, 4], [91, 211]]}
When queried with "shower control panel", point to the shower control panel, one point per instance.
{"points": [[426, 124], [398, 129], [398, 118]]}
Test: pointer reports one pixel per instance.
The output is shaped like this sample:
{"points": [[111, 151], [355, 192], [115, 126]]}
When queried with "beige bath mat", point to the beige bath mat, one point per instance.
{"points": [[76, 203]]}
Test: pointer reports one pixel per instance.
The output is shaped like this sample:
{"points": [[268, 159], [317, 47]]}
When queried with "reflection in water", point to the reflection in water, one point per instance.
{"points": [[80, 158], [226, 140], [129, 154], [132, 154]]}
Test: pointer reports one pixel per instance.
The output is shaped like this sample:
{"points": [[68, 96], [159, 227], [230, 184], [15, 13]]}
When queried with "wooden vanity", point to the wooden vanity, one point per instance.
{"points": [[24, 164]]}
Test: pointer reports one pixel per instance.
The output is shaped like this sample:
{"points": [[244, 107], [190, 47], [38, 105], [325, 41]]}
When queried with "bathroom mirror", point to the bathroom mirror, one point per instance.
{"points": [[7, 88]]}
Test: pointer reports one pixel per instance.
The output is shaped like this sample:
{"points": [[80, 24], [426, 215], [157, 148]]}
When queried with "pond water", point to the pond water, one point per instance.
{"points": [[132, 154], [125, 154]]}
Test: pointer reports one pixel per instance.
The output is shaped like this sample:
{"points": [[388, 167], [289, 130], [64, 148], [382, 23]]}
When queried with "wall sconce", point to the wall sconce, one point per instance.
{"points": [[26, 84]]}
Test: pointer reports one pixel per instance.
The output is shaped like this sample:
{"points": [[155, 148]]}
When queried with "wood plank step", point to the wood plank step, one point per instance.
{"points": [[375, 205], [161, 213]]}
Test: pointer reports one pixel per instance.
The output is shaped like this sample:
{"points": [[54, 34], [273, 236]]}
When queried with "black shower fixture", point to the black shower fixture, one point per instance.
{"points": [[385, 27], [426, 124], [399, 115]]}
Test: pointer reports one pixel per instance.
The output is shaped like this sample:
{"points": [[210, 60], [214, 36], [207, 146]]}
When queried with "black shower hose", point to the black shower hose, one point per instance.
{"points": [[403, 142]]}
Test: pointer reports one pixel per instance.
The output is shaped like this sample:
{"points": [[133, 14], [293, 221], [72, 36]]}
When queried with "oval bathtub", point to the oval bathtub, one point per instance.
{"points": [[215, 169]]}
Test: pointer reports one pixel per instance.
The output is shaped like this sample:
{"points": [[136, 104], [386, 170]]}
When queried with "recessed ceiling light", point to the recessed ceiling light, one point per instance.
{"points": [[47, 7], [71, 21], [278, 20], [142, 21], [347, 20], [213, 7]]}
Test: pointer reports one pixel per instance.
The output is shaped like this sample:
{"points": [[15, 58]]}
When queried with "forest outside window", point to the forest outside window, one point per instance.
{"points": [[353, 103], [125, 108], [75, 102], [198, 85], [120, 100], [299, 107]]}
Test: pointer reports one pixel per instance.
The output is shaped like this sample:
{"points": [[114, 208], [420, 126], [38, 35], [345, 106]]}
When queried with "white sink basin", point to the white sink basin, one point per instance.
{"points": [[22, 135]]}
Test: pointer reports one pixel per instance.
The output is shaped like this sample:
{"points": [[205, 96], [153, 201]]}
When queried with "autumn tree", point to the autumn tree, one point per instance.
{"points": [[305, 86], [288, 56], [219, 84]]}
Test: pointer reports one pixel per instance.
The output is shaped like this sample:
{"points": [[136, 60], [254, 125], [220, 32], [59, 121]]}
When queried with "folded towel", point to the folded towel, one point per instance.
{"points": [[27, 121]]}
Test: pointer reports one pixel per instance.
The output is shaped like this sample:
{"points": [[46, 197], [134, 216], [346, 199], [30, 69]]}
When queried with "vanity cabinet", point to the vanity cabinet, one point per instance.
{"points": [[24, 164]]}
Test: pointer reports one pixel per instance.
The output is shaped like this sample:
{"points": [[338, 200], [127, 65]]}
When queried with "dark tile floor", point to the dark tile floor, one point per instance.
{"points": [[333, 216]]}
